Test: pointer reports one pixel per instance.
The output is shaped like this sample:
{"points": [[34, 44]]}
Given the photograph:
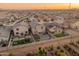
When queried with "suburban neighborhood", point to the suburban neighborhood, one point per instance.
{"points": [[30, 27]]}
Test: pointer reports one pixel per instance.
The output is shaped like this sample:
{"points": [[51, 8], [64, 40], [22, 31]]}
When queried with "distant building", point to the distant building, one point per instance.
{"points": [[59, 20], [12, 18]]}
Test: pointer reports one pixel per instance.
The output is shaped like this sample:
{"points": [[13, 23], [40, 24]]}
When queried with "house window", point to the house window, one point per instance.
{"points": [[17, 29], [26, 32], [17, 33], [22, 34]]}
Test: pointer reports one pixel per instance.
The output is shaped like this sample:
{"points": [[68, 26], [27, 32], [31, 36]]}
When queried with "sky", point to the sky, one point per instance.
{"points": [[37, 5]]}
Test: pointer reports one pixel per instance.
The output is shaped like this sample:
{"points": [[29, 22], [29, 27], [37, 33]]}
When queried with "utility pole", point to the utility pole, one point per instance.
{"points": [[70, 10], [69, 5]]}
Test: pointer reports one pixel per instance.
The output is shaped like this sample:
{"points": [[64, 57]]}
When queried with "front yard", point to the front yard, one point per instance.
{"points": [[61, 34], [23, 41]]}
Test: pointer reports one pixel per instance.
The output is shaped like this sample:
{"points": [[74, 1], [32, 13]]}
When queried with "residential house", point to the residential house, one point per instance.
{"points": [[21, 29], [37, 27], [59, 20], [75, 25], [54, 29]]}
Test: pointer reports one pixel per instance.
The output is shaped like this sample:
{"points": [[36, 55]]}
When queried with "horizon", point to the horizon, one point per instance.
{"points": [[38, 6]]}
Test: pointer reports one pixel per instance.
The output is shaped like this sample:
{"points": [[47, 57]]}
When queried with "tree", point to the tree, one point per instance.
{"points": [[36, 16], [51, 48], [10, 54], [41, 52]]}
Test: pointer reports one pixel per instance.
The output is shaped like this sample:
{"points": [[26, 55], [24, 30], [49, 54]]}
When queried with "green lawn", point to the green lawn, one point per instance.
{"points": [[23, 41], [61, 53], [60, 34]]}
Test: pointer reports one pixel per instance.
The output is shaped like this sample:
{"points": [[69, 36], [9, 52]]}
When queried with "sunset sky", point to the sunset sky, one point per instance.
{"points": [[37, 5]]}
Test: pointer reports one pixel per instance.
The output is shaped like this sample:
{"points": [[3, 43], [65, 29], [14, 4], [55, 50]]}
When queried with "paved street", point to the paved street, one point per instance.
{"points": [[4, 33]]}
